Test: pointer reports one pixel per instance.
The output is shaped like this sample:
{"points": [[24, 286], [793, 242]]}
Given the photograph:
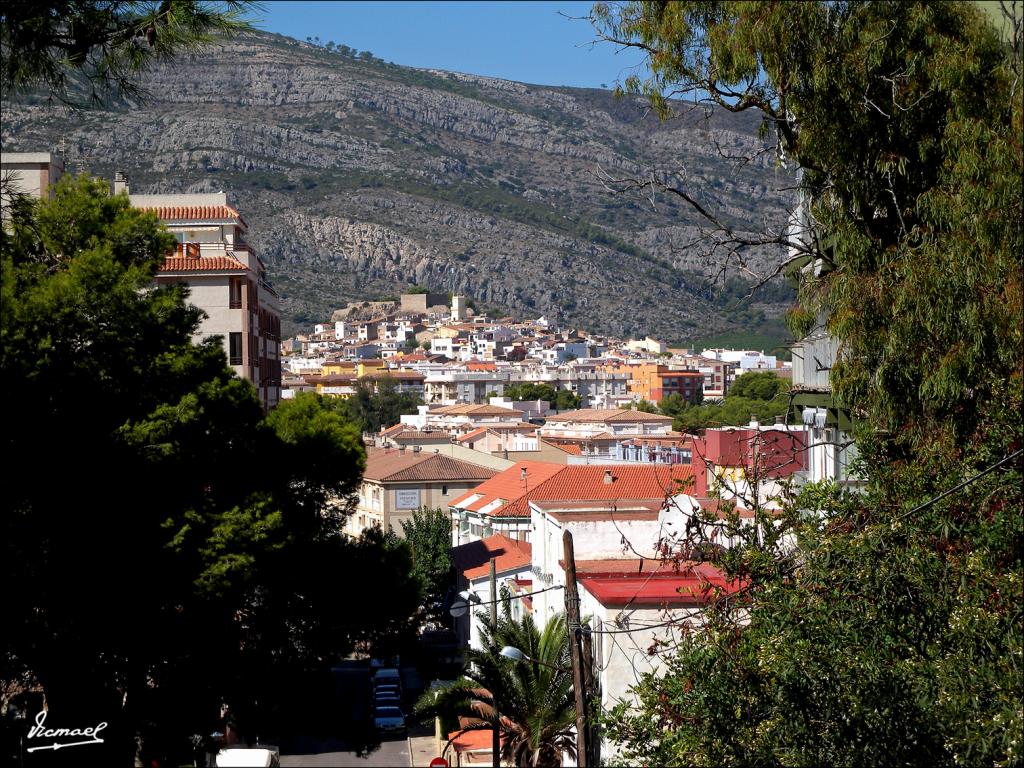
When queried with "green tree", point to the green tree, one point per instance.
{"points": [[377, 405], [673, 404], [758, 385], [429, 535], [645, 406], [75, 49], [892, 638], [531, 391], [534, 700], [566, 400], [202, 532], [559, 399]]}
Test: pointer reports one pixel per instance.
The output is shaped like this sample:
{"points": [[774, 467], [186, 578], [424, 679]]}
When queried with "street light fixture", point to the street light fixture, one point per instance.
{"points": [[511, 652]]}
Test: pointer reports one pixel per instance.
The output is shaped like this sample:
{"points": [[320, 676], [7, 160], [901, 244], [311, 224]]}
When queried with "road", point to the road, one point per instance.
{"points": [[356, 743], [390, 754]]}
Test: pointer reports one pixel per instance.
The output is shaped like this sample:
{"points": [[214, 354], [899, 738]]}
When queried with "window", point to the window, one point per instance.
{"points": [[444, 490], [235, 348], [235, 293]]}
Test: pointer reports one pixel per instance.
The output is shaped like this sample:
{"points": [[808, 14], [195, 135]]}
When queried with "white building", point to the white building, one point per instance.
{"points": [[472, 567]]}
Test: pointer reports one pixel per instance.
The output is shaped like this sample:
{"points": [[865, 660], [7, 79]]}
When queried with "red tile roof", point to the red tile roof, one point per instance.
{"points": [[607, 415], [558, 482], [475, 410], [640, 591], [410, 466], [602, 509], [194, 212], [202, 264], [618, 582], [395, 374], [476, 740], [567, 447], [478, 432], [472, 560]]}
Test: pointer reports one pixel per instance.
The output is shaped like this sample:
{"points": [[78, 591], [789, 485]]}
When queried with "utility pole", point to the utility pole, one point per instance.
{"points": [[496, 736], [589, 689], [572, 617]]}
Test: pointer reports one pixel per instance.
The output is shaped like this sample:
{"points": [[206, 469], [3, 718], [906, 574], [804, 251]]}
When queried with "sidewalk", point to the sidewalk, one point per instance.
{"points": [[422, 747]]}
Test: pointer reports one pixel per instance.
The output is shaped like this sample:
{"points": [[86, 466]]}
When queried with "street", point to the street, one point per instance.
{"points": [[355, 743], [392, 753]]}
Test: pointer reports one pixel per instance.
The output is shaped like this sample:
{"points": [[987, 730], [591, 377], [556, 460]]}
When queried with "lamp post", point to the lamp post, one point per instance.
{"points": [[510, 652]]}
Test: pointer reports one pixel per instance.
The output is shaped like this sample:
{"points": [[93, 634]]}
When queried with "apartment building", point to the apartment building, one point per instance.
{"points": [[226, 279], [655, 382]]}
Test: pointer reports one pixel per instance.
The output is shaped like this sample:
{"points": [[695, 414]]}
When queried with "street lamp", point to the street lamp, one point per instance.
{"points": [[510, 652]]}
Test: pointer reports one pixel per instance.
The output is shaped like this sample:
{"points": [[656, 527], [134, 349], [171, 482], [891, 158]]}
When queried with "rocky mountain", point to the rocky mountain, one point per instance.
{"points": [[359, 178]]}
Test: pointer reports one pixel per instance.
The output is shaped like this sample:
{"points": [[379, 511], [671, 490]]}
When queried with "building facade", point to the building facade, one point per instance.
{"points": [[227, 280]]}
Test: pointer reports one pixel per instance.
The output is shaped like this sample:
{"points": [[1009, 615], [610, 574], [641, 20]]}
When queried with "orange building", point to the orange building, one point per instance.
{"points": [[653, 382]]}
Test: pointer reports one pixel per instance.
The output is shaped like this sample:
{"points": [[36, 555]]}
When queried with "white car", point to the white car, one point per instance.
{"points": [[389, 720], [248, 757]]}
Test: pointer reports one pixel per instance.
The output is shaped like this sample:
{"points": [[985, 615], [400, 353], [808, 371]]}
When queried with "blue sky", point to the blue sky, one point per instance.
{"points": [[525, 41]]}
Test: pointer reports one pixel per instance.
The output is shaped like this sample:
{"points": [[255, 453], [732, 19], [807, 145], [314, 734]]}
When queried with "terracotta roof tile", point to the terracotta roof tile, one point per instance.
{"points": [[558, 482], [622, 582], [194, 212], [479, 432], [472, 560], [475, 410], [202, 264], [572, 448], [609, 415], [396, 374], [410, 466]]}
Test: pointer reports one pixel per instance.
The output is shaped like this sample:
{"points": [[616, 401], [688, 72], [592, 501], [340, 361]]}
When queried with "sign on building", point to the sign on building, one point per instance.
{"points": [[407, 499]]}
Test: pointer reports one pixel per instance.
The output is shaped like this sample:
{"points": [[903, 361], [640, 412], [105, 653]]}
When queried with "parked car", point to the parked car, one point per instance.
{"points": [[394, 661], [387, 675], [389, 720], [395, 689], [387, 700]]}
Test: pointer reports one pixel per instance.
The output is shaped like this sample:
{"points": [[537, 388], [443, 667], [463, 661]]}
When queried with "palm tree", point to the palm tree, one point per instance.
{"points": [[534, 696]]}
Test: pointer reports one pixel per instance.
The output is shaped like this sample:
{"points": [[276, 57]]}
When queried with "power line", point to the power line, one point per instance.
{"points": [[964, 484], [639, 628], [516, 597]]}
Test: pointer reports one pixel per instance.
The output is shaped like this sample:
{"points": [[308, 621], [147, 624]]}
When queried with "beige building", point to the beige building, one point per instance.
{"points": [[397, 482], [32, 173], [28, 173], [227, 280]]}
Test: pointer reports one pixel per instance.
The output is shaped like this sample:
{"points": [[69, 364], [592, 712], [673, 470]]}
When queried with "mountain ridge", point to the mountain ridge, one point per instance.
{"points": [[359, 178]]}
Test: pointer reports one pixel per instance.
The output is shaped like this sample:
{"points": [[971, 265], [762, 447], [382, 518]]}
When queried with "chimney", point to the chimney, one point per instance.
{"points": [[401, 446], [608, 479], [417, 448], [120, 183], [780, 419], [753, 421]]}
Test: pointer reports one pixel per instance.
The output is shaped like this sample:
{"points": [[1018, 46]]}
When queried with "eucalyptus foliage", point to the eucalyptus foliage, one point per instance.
{"points": [[891, 633]]}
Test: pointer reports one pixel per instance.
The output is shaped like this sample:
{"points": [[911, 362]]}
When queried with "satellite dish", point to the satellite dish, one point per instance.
{"points": [[459, 609]]}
